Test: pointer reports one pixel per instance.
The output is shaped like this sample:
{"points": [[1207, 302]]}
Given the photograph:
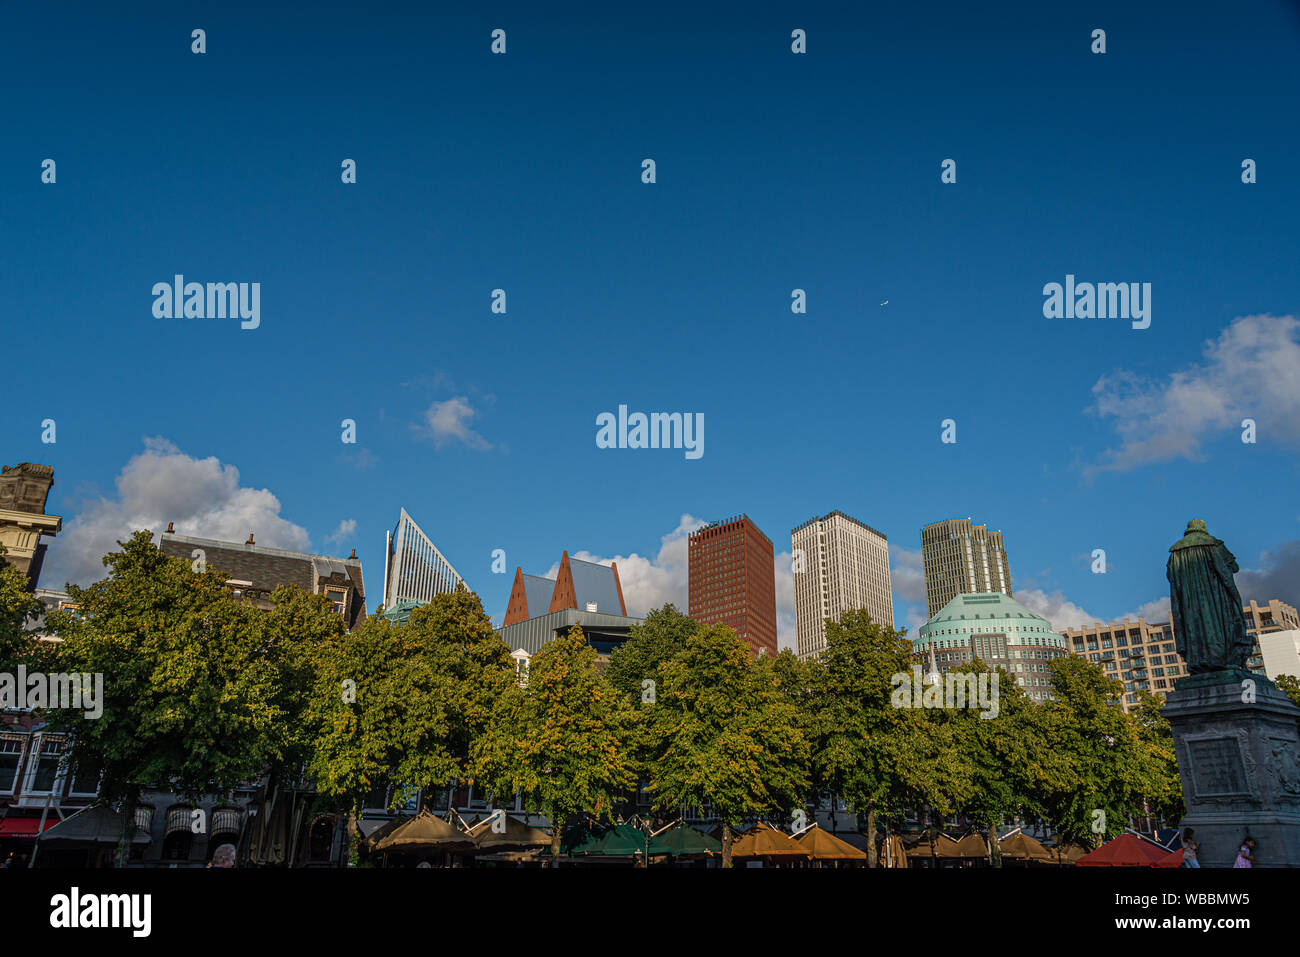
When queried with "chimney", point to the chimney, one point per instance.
{"points": [[171, 528], [250, 539], [353, 556]]}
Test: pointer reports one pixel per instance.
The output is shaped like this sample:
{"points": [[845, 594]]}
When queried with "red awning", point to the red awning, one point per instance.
{"points": [[25, 826], [1127, 850]]}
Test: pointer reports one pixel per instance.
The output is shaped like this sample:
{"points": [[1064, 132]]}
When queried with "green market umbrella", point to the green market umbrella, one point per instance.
{"points": [[622, 840], [682, 840]]}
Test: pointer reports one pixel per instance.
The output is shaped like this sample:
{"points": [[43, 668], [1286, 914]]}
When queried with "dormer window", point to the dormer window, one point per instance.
{"points": [[338, 598]]}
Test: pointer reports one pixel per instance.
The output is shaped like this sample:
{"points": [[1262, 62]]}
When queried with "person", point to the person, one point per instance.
{"points": [[1189, 849], [223, 856], [1246, 854]]}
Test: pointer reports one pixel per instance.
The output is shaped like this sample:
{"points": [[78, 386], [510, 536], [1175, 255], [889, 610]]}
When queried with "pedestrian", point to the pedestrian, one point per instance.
{"points": [[223, 856], [1189, 849], [1246, 854]]}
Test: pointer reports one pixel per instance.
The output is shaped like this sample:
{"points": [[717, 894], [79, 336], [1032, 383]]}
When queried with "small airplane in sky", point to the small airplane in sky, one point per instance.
{"points": [[885, 302]]}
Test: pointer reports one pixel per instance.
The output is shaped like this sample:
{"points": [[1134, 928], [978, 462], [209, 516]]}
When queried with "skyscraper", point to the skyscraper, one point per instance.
{"points": [[732, 580], [839, 563], [961, 558], [414, 569]]}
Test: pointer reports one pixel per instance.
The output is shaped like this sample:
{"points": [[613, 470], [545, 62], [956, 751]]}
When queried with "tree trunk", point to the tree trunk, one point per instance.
{"points": [[995, 846], [873, 856], [557, 837], [726, 845]]}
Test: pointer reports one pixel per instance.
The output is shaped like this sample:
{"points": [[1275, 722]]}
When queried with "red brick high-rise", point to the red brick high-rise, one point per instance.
{"points": [[733, 580]]}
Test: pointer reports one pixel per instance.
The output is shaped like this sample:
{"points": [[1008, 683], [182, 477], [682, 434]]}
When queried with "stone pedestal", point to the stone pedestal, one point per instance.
{"points": [[1240, 765]]}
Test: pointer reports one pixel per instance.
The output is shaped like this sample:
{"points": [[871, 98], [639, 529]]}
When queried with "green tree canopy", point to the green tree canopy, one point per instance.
{"points": [[559, 739], [726, 734]]}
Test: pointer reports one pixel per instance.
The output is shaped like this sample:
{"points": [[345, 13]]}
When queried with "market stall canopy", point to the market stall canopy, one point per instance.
{"points": [[622, 840], [971, 847], [685, 841], [763, 840], [1173, 859], [1020, 846], [824, 846], [381, 832], [97, 824], [515, 836], [1069, 853], [1127, 850], [424, 832], [944, 848]]}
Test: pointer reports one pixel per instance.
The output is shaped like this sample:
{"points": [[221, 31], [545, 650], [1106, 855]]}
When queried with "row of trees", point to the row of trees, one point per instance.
{"points": [[204, 692]]}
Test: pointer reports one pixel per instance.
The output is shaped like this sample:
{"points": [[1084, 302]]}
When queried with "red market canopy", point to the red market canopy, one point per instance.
{"points": [[1127, 850]]}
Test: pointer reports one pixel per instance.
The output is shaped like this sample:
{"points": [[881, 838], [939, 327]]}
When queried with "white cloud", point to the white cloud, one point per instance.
{"points": [[1056, 608], [448, 421], [914, 617], [1063, 613], [784, 601], [1248, 372], [202, 497], [347, 528], [906, 575]]}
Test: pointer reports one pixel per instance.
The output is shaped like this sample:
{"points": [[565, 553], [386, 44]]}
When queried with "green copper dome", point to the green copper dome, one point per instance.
{"points": [[982, 614]]}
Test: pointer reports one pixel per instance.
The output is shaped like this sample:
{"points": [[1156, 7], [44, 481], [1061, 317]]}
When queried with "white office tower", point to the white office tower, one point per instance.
{"points": [[415, 570], [839, 564]]}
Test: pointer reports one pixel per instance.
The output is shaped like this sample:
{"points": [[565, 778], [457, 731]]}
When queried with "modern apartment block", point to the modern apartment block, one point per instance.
{"points": [[1144, 655], [414, 569], [961, 558], [839, 563], [732, 580]]}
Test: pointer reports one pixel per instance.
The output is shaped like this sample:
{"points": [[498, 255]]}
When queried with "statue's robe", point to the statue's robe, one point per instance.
{"points": [[1205, 606]]}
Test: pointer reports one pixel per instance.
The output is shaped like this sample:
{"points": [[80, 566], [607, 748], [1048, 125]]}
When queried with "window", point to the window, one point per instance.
{"points": [[43, 775], [85, 780], [11, 752], [338, 598]]}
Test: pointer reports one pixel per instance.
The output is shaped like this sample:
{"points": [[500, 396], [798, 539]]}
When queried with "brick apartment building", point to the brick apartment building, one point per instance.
{"points": [[732, 580]]}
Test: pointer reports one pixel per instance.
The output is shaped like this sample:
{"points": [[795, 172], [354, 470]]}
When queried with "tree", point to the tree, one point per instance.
{"points": [[725, 734], [1106, 766], [17, 605], [1164, 790], [190, 699], [1006, 754], [403, 703], [559, 739], [649, 644], [882, 759]]}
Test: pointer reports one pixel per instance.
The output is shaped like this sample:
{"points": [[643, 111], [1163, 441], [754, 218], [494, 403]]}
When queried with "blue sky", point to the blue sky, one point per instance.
{"points": [[775, 171]]}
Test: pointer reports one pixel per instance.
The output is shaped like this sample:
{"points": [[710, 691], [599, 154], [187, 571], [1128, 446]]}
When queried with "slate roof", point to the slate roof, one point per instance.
{"points": [[538, 591], [265, 568], [593, 582]]}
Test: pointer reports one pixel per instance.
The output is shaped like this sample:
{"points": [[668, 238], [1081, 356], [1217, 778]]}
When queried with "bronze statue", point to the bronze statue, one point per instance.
{"points": [[1205, 605]]}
